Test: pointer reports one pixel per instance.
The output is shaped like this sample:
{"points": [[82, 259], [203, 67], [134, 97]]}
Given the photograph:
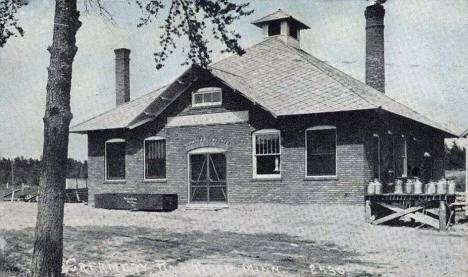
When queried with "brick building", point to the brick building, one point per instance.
{"points": [[273, 125]]}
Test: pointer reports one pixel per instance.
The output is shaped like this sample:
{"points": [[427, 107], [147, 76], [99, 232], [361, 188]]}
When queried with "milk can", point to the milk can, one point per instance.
{"points": [[430, 188], [378, 186], [418, 186], [371, 188], [409, 186], [451, 185], [442, 186], [399, 187]]}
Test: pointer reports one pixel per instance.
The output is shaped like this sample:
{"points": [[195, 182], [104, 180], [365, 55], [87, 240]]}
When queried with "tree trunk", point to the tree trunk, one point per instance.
{"points": [[48, 245]]}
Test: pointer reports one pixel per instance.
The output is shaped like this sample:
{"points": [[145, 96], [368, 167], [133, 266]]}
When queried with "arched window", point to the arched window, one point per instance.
{"points": [[209, 96], [115, 159], [320, 148], [266, 154], [155, 158]]}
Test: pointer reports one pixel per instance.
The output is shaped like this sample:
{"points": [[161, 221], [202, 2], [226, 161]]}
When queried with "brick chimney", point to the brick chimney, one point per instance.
{"points": [[375, 60], [122, 76]]}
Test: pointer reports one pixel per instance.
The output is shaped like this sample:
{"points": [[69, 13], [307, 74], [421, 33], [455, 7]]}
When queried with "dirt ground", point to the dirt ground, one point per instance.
{"points": [[244, 240]]}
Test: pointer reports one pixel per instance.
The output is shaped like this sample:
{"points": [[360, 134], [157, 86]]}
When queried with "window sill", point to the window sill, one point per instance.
{"points": [[206, 206], [257, 179], [115, 181], [321, 178], [196, 107], [155, 181]]}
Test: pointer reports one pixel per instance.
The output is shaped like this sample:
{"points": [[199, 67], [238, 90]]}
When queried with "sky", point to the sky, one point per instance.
{"points": [[425, 53]]}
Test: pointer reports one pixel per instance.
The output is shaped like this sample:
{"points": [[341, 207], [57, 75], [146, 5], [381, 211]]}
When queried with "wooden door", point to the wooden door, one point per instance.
{"points": [[208, 177]]}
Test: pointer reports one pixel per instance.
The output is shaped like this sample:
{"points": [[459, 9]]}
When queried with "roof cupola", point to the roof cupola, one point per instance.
{"points": [[282, 25]]}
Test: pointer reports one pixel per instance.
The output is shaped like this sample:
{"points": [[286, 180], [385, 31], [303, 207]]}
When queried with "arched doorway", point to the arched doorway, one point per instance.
{"points": [[207, 175]]}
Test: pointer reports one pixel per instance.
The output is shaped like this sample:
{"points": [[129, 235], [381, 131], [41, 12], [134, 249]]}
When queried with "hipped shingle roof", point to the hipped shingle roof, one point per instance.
{"points": [[120, 116], [283, 80], [289, 81]]}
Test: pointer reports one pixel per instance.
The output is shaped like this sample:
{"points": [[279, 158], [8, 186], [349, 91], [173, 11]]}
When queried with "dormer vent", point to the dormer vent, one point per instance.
{"points": [[283, 26]]}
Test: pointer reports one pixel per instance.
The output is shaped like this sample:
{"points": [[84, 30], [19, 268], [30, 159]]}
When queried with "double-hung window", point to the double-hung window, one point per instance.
{"points": [[320, 151], [155, 158], [210, 96], [115, 159], [266, 154]]}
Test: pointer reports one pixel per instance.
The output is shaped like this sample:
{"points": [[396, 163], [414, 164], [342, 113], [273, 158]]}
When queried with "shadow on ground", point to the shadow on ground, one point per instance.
{"points": [[146, 245]]}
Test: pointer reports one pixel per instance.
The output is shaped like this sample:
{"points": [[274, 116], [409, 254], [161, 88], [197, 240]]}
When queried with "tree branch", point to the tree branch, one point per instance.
{"points": [[8, 22], [99, 7], [189, 18]]}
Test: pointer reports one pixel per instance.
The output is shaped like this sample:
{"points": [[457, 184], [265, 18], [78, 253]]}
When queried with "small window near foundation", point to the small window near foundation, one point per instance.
{"points": [[207, 97]]}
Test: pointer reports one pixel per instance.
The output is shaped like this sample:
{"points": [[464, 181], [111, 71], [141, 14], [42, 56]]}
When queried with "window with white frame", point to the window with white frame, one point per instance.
{"points": [[207, 97], [320, 151], [155, 158], [401, 159], [115, 159], [266, 154]]}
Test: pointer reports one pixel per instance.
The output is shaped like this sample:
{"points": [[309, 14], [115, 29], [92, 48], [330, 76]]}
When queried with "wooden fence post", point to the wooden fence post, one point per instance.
{"points": [[442, 216], [368, 212]]}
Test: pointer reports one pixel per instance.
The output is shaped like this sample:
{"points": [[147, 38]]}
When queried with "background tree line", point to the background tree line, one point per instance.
{"points": [[455, 157], [28, 171]]}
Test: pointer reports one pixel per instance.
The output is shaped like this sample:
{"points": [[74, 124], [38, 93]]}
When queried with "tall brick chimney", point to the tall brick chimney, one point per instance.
{"points": [[375, 60], [122, 76]]}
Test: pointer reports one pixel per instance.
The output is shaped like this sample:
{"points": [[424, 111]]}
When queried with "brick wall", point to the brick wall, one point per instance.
{"points": [[354, 167]]}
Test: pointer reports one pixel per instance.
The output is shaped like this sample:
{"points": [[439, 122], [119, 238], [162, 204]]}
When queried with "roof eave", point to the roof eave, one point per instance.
{"points": [[464, 134], [302, 26], [85, 132]]}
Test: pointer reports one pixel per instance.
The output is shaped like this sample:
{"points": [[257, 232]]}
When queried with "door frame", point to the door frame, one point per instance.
{"points": [[201, 151]]}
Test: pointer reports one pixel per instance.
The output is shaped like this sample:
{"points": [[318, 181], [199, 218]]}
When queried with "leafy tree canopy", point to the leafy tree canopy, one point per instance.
{"points": [[9, 26]]}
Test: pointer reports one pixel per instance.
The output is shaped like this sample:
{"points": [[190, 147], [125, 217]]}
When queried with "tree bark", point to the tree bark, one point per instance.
{"points": [[48, 245]]}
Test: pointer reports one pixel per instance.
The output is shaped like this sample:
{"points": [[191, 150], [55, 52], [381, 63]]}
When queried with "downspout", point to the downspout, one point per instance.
{"points": [[466, 175]]}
